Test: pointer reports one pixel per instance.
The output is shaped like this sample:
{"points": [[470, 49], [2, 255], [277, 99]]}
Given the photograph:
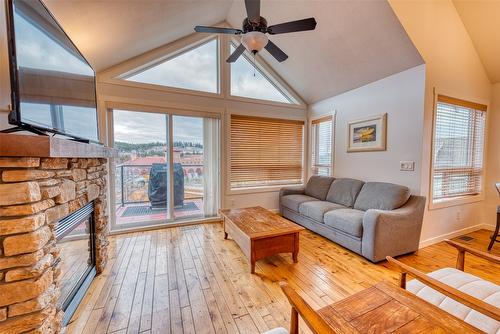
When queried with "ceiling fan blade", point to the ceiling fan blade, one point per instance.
{"points": [[276, 52], [253, 10], [292, 26], [217, 30], [236, 54]]}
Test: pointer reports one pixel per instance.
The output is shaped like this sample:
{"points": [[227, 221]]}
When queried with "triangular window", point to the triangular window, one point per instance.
{"points": [[195, 69], [249, 81]]}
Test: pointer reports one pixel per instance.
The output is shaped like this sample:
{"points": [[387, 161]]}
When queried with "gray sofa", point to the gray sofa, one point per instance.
{"points": [[373, 219]]}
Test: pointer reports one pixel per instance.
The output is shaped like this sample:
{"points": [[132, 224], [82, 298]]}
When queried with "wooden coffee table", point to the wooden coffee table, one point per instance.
{"points": [[387, 308], [261, 233]]}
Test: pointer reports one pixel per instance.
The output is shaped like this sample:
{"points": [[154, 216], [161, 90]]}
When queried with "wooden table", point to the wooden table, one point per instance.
{"points": [[387, 308], [261, 233]]}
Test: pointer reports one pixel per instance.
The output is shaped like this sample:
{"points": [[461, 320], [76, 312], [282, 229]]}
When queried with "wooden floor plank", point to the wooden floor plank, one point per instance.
{"points": [[147, 301], [175, 312], [191, 280], [161, 306], [122, 312]]}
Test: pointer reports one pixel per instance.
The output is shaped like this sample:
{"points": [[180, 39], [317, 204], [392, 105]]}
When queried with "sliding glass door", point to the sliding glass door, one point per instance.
{"points": [[167, 170]]}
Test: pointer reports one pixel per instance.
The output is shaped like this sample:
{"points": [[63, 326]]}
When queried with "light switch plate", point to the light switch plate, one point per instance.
{"points": [[407, 166]]}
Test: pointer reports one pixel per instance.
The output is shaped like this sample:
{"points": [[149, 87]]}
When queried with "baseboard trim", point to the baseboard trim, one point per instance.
{"points": [[439, 238]]}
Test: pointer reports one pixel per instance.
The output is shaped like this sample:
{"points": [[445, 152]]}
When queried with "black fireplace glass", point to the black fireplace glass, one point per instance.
{"points": [[75, 238]]}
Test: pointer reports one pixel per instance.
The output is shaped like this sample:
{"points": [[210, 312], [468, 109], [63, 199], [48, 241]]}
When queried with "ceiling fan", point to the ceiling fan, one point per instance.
{"points": [[254, 30]]}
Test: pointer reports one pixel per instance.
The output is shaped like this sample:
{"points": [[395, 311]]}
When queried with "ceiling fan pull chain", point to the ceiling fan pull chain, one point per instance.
{"points": [[254, 65]]}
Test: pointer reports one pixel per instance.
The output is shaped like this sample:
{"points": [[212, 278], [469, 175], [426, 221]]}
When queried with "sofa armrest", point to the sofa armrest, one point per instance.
{"points": [[298, 190], [392, 233]]}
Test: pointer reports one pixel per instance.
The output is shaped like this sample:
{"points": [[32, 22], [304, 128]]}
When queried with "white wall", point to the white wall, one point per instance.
{"points": [[493, 162], [401, 96], [454, 68]]}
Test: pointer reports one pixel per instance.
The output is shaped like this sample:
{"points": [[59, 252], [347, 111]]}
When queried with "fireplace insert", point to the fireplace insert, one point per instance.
{"points": [[75, 238]]}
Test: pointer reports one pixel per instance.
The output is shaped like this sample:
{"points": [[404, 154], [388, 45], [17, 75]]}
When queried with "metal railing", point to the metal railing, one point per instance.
{"points": [[132, 184]]}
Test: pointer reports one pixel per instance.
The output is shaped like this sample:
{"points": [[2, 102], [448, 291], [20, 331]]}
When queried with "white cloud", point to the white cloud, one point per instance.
{"points": [[195, 69], [142, 127]]}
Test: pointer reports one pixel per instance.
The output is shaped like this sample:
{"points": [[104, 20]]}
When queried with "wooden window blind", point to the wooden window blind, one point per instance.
{"points": [[321, 146], [457, 166], [265, 151]]}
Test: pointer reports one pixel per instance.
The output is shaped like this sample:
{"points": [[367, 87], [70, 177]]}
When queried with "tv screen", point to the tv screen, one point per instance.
{"points": [[53, 86]]}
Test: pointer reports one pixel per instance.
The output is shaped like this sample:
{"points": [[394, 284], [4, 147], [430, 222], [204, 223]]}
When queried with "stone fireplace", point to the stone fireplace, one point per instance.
{"points": [[40, 189]]}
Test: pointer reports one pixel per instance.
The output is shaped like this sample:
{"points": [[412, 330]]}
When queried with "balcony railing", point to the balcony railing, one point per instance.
{"points": [[132, 183]]}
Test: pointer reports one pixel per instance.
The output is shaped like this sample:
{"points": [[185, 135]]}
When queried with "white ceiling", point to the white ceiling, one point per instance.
{"points": [[480, 18], [355, 42]]}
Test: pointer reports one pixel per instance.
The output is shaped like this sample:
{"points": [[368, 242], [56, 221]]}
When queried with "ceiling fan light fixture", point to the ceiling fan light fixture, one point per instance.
{"points": [[254, 41]]}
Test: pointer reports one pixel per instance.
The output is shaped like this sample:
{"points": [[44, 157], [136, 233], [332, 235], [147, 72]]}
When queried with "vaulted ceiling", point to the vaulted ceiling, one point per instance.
{"points": [[480, 18], [355, 42]]}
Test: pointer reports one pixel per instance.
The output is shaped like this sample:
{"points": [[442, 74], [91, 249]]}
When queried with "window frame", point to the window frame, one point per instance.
{"points": [[314, 143], [229, 190], [465, 198], [109, 108]]}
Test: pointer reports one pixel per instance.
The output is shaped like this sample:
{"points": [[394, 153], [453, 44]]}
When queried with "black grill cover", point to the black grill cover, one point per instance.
{"points": [[158, 185]]}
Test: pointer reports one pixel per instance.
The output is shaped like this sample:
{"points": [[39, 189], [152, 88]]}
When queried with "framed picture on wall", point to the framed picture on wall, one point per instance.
{"points": [[367, 134]]}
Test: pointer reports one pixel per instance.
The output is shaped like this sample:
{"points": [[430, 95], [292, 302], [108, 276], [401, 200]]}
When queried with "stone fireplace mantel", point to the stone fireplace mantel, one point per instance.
{"points": [[15, 145], [42, 180]]}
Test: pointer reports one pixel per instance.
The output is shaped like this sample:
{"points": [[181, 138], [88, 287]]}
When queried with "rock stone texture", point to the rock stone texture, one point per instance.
{"points": [[35, 193]]}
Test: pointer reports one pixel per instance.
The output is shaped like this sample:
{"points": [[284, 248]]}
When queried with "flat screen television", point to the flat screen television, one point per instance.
{"points": [[52, 84]]}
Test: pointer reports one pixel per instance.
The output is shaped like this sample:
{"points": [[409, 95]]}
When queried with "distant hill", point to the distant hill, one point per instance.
{"points": [[129, 147]]}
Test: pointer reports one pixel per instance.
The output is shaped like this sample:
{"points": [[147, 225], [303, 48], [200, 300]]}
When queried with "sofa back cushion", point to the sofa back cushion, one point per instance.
{"points": [[318, 186], [381, 196], [344, 191]]}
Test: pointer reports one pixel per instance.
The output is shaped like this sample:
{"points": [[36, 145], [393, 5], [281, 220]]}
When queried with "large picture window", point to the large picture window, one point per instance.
{"points": [[321, 146], [457, 165], [265, 151], [195, 69]]}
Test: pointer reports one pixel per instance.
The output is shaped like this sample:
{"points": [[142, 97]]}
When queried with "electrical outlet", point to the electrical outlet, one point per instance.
{"points": [[407, 166]]}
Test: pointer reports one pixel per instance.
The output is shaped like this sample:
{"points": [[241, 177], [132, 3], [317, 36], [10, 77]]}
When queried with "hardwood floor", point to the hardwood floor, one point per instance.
{"points": [[191, 280]]}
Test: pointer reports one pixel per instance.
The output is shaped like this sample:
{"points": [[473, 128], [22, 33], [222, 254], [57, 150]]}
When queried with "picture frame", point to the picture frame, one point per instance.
{"points": [[367, 134]]}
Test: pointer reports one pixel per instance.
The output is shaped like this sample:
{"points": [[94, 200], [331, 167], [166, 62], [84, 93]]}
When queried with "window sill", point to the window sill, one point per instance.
{"points": [[455, 201], [262, 189]]}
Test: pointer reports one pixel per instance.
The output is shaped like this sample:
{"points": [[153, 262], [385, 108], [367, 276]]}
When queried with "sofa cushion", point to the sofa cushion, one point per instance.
{"points": [[292, 202], [346, 220], [483, 290], [318, 186], [381, 196], [344, 191], [316, 209]]}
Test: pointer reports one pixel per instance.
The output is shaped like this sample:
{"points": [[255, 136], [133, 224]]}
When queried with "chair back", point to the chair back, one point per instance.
{"points": [[300, 307]]}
